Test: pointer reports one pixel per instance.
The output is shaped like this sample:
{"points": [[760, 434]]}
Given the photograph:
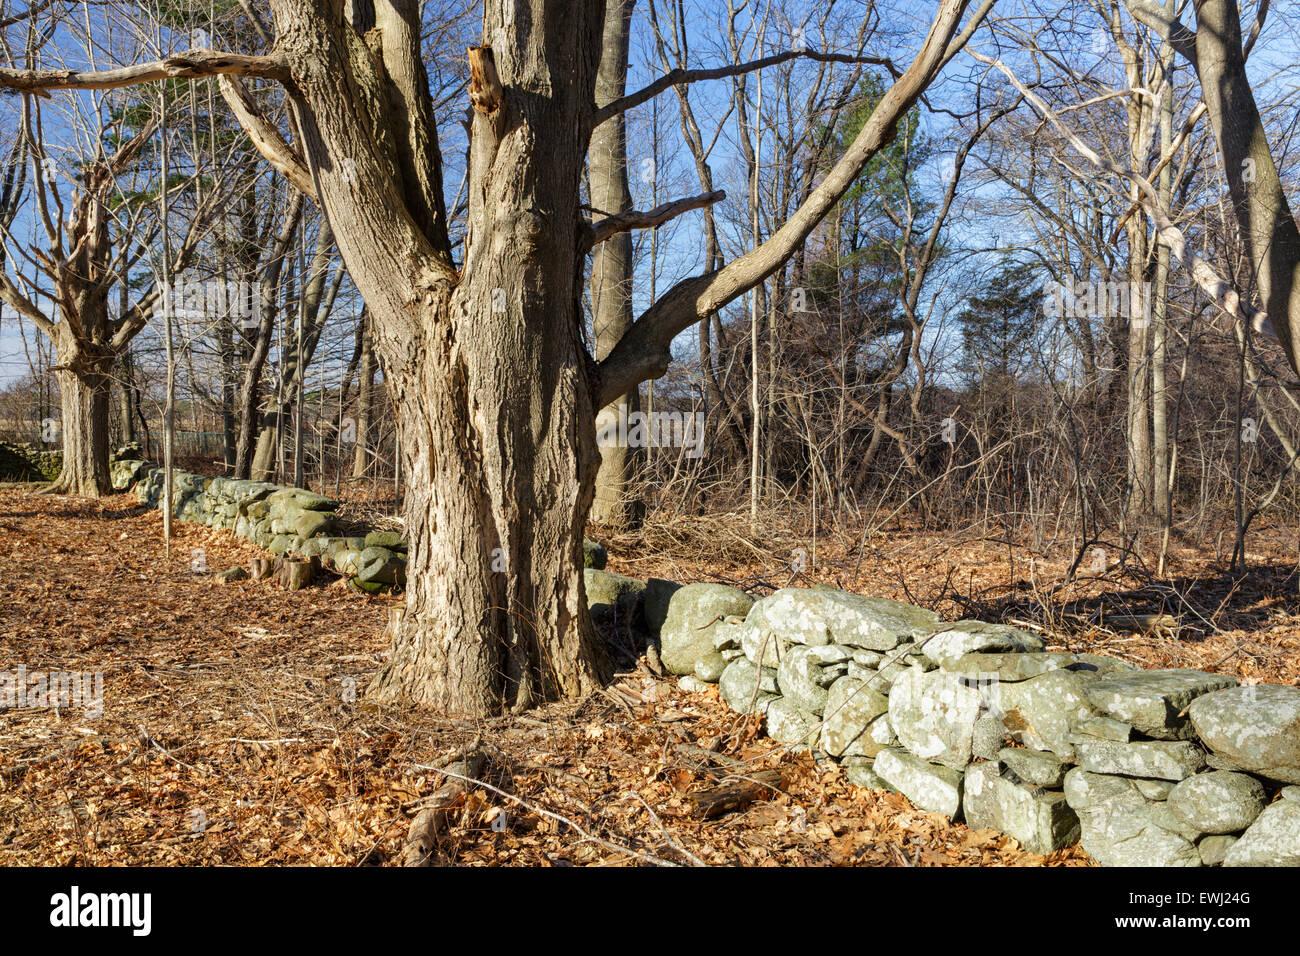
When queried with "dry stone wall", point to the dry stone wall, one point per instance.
{"points": [[980, 722], [977, 721]]}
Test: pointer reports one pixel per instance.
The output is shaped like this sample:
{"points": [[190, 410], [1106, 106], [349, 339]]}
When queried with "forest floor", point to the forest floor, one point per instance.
{"points": [[235, 728]]}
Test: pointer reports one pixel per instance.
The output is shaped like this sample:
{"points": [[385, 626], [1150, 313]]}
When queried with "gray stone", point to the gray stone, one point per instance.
{"points": [[954, 641], [1040, 820], [1037, 767], [1164, 817], [1154, 789], [1161, 759], [1084, 790], [787, 724], [1039, 712], [1008, 667], [695, 614], [231, 574], [1256, 728], [1272, 840], [658, 592], [745, 689], [930, 786], [806, 674], [1101, 664], [1291, 793], [594, 555], [934, 716], [819, 617], [987, 738], [851, 707], [861, 772], [1214, 848], [608, 592], [381, 566], [1217, 802], [1118, 826], [1154, 702], [1106, 728]]}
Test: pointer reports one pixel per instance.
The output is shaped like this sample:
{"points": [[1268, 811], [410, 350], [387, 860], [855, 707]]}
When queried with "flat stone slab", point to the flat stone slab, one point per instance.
{"points": [[1256, 728], [1154, 702], [1036, 767], [930, 786], [1218, 802], [819, 617], [1040, 820], [1009, 667], [1272, 840], [954, 641], [1159, 759]]}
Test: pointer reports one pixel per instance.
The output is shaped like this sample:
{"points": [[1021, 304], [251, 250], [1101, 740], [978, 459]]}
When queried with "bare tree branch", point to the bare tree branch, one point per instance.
{"points": [[645, 351], [192, 64], [601, 230]]}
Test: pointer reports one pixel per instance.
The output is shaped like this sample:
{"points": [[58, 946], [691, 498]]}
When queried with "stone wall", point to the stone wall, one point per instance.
{"points": [[981, 723], [28, 463], [973, 720], [284, 520]]}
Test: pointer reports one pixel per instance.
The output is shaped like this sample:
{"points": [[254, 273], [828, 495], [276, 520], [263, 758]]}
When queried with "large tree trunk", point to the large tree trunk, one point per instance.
{"points": [[611, 269], [84, 396], [498, 441]]}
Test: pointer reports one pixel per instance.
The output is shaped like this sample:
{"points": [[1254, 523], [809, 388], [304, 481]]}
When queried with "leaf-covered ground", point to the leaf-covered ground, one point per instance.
{"points": [[230, 733]]}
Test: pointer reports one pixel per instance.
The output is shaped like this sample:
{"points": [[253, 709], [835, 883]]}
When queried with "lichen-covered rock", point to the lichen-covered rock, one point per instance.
{"points": [[1039, 819], [931, 787], [1118, 826], [389, 540], [818, 617], [1272, 840], [656, 597], [1256, 728], [953, 641], [381, 566], [695, 614], [1105, 728], [861, 772], [1154, 702], [745, 687], [934, 716], [1039, 712], [1217, 802], [594, 555], [1159, 759], [851, 707], [787, 724], [1036, 767], [1214, 848], [806, 674], [1008, 667], [608, 592]]}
